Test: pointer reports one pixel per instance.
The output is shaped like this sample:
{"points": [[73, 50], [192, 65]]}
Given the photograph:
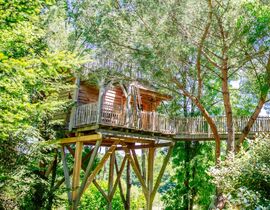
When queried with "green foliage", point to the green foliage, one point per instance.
{"points": [[93, 199], [190, 183], [245, 179], [257, 22], [32, 76]]}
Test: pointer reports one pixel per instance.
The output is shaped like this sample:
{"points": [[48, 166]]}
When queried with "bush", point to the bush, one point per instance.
{"points": [[245, 179]]}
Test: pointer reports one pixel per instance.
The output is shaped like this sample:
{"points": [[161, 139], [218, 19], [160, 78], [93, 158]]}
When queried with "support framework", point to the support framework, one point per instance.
{"points": [[129, 160]]}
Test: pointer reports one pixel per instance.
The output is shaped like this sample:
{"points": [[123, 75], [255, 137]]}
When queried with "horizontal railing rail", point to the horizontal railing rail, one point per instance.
{"points": [[115, 115]]}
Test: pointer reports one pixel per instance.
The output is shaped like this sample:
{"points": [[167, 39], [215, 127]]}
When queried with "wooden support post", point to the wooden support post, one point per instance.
{"points": [[143, 164], [119, 174], [119, 184], [127, 203], [162, 170], [87, 171], [150, 176], [110, 179], [76, 171], [66, 174], [136, 159], [101, 164], [135, 168], [101, 190]]}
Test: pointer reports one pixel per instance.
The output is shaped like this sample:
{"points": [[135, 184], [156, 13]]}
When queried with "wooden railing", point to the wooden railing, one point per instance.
{"points": [[86, 114], [144, 121], [154, 122], [198, 125], [115, 116]]}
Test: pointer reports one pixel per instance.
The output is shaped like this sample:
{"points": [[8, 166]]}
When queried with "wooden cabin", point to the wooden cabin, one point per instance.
{"points": [[119, 106]]}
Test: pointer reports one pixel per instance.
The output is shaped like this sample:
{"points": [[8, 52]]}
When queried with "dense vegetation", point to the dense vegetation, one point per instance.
{"points": [[245, 180], [211, 55]]}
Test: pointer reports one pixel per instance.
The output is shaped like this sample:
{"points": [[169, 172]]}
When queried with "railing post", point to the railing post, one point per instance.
{"points": [[128, 107], [100, 101], [72, 119]]}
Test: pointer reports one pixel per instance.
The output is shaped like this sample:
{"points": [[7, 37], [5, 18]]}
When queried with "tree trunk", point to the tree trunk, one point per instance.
{"points": [[258, 109], [205, 114], [212, 125], [200, 47], [228, 107]]}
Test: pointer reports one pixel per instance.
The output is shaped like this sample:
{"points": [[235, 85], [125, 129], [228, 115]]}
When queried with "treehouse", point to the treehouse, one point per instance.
{"points": [[123, 119], [120, 118], [120, 108]]}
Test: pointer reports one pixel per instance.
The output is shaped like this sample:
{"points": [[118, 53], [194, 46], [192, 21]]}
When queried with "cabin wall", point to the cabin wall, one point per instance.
{"points": [[87, 94], [149, 103], [114, 98]]}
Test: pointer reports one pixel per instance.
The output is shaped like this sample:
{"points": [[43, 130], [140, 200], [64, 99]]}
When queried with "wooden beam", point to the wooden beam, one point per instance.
{"points": [[101, 164], [88, 128], [143, 164], [76, 170], [110, 179], [101, 190], [71, 151], [93, 137], [131, 134], [128, 189], [66, 174], [119, 184], [136, 159], [145, 146], [162, 170], [88, 155], [119, 174], [61, 181], [150, 177], [87, 171], [129, 139], [135, 168]]}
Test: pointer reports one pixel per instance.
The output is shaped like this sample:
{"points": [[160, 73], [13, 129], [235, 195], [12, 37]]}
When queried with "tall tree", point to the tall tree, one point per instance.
{"points": [[203, 38], [33, 72]]}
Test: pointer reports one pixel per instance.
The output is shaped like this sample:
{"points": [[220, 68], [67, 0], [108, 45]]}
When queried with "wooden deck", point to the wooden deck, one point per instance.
{"points": [[179, 128]]}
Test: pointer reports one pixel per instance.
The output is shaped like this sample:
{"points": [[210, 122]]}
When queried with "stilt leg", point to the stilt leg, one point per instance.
{"points": [[110, 179], [127, 203], [66, 174], [76, 172], [150, 176]]}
